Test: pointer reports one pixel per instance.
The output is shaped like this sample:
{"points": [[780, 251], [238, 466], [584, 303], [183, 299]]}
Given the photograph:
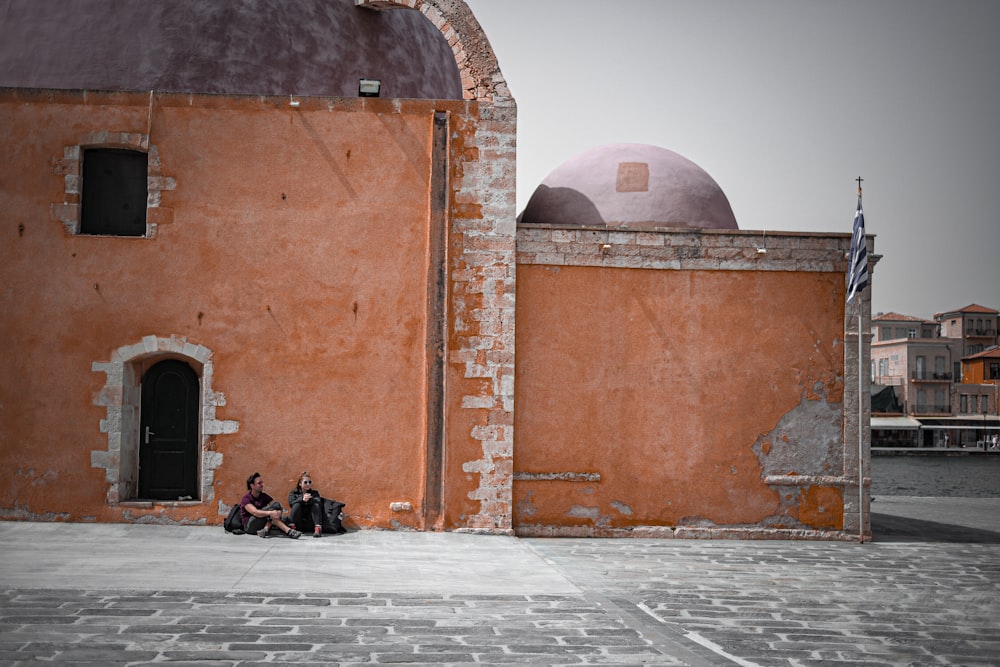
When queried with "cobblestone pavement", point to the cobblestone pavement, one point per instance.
{"points": [[121, 628], [780, 603], [587, 601]]}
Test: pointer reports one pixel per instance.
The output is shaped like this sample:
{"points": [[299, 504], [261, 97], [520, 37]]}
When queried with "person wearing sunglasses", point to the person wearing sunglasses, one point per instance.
{"points": [[306, 506]]}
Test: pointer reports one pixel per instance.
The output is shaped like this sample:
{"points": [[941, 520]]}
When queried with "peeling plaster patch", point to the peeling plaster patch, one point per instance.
{"points": [[696, 521], [22, 513], [581, 512], [621, 507], [162, 519], [38, 479], [775, 522], [591, 513], [787, 521], [806, 440], [527, 507], [396, 525]]}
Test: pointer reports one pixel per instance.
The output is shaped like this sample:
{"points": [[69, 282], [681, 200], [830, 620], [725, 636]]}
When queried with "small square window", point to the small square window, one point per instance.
{"points": [[114, 192]]}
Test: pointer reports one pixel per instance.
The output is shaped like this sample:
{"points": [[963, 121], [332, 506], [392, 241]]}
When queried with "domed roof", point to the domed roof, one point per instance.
{"points": [[239, 47], [630, 185]]}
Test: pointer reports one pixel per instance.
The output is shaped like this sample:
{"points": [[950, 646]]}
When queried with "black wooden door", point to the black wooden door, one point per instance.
{"points": [[168, 432]]}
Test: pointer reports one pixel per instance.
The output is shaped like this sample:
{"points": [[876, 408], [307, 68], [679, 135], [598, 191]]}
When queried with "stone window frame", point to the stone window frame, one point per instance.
{"points": [[120, 396], [70, 166]]}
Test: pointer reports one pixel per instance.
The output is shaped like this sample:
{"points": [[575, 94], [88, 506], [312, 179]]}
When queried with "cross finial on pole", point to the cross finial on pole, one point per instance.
{"points": [[859, 179]]}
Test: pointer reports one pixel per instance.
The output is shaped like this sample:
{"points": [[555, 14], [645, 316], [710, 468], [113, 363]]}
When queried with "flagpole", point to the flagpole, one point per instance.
{"points": [[861, 415], [857, 280], [861, 437]]}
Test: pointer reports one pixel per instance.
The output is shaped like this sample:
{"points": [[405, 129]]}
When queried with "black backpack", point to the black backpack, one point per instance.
{"points": [[331, 516], [234, 521]]}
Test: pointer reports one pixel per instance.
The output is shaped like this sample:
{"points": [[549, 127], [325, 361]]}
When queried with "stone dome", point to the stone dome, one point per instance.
{"points": [[236, 47], [630, 185]]}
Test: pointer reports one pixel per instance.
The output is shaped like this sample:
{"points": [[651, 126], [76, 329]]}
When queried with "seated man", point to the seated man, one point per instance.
{"points": [[260, 512]]}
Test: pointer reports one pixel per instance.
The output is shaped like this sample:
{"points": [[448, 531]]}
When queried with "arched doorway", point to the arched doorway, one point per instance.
{"points": [[168, 432], [121, 397]]}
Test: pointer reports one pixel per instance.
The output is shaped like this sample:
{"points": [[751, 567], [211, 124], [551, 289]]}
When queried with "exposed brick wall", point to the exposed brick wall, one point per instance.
{"points": [[481, 341], [480, 347]]}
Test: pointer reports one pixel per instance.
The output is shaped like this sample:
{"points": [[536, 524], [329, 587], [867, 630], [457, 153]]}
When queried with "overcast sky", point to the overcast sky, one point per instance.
{"points": [[785, 103]]}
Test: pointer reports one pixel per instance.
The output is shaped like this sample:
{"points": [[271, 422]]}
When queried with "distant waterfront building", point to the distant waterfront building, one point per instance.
{"points": [[982, 368], [975, 325], [944, 374]]}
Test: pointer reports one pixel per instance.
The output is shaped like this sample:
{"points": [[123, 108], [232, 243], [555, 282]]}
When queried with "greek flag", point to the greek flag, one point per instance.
{"points": [[857, 271]]}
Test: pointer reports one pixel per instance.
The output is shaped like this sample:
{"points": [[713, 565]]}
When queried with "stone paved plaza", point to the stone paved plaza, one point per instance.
{"points": [[138, 594]]}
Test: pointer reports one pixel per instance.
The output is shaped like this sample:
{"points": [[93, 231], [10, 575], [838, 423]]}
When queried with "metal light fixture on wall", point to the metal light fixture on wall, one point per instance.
{"points": [[369, 87]]}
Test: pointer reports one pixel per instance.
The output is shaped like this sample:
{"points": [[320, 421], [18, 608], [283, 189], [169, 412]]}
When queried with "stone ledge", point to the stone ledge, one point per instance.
{"points": [[682, 249], [689, 533]]}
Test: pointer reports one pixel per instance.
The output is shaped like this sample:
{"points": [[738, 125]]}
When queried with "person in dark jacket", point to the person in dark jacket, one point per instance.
{"points": [[306, 506]]}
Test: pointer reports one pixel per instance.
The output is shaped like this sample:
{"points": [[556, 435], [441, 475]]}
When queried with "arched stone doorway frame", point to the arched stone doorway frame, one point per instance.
{"points": [[120, 396]]}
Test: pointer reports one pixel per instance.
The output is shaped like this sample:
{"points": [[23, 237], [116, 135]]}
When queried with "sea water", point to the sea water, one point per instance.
{"points": [[975, 476]]}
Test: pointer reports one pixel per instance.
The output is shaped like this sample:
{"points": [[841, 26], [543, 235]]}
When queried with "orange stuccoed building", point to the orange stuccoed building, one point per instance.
{"points": [[239, 241]]}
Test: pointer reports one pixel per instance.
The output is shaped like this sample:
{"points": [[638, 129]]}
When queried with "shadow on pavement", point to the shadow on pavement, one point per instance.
{"points": [[889, 528]]}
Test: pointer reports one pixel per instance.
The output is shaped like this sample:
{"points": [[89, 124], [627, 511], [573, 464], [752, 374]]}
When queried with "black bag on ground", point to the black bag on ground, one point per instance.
{"points": [[331, 516], [234, 521]]}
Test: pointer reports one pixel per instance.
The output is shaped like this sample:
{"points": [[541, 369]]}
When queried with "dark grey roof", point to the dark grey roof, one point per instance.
{"points": [[249, 47]]}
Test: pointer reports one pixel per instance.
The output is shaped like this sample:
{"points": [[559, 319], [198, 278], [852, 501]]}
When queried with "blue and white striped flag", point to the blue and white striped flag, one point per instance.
{"points": [[857, 271]]}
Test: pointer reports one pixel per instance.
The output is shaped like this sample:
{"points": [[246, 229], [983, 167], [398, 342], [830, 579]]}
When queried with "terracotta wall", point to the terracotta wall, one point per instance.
{"points": [[681, 383], [291, 251], [339, 273], [675, 382]]}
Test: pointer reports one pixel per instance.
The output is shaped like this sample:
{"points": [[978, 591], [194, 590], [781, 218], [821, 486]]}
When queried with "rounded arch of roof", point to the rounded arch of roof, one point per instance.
{"points": [[240, 47], [630, 185]]}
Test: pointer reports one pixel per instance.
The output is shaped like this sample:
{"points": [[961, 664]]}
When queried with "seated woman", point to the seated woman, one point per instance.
{"points": [[307, 506]]}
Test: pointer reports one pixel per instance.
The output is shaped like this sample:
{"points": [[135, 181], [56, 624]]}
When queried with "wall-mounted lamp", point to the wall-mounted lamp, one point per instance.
{"points": [[292, 102], [369, 87]]}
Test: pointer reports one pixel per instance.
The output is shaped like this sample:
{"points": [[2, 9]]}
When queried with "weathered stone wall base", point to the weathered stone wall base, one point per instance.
{"points": [[688, 533]]}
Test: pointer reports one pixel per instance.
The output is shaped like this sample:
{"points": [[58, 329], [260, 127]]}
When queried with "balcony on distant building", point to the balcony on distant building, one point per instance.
{"points": [[926, 376], [923, 409], [980, 333]]}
